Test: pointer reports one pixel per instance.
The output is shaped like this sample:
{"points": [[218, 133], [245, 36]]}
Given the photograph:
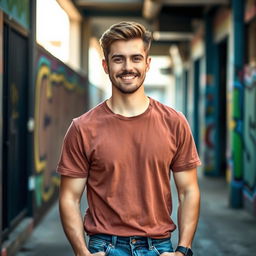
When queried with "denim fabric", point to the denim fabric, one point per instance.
{"points": [[129, 246]]}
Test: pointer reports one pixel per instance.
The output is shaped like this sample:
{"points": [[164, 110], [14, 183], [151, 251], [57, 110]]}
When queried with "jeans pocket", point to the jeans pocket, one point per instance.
{"points": [[99, 245], [155, 250], [109, 247], [163, 246]]}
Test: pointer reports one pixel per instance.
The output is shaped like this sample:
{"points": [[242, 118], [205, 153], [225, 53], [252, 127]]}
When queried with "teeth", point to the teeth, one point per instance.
{"points": [[128, 77]]}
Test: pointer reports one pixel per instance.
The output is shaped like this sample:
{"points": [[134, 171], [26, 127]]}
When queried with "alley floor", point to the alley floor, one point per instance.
{"points": [[221, 230]]}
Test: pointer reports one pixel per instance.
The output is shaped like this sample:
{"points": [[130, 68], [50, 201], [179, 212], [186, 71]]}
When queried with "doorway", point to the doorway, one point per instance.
{"points": [[196, 112], [15, 174], [222, 109]]}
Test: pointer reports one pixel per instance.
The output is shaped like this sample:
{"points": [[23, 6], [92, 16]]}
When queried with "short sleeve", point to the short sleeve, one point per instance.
{"points": [[73, 161], [186, 156]]}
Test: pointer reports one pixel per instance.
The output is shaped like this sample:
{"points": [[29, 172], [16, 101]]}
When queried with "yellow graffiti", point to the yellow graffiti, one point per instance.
{"points": [[39, 164], [232, 124], [228, 175], [47, 194], [60, 78]]}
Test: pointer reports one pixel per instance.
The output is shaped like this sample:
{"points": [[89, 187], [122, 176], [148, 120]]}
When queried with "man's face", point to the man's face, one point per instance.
{"points": [[127, 65]]}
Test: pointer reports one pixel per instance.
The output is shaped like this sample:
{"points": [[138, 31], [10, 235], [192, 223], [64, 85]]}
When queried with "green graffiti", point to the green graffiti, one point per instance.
{"points": [[18, 9], [21, 5], [237, 147], [237, 152], [38, 190], [237, 133], [236, 105]]}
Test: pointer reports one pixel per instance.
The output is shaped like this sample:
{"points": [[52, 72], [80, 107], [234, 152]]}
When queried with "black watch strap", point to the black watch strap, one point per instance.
{"points": [[185, 250]]}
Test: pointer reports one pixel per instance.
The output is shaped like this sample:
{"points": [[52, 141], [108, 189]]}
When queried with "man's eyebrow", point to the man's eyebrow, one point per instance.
{"points": [[117, 56], [122, 56], [138, 55]]}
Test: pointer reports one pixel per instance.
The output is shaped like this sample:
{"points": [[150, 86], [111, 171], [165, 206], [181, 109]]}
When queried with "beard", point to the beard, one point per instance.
{"points": [[126, 88]]}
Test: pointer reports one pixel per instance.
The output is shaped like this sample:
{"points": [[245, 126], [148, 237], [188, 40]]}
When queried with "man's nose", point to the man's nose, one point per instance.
{"points": [[128, 65]]}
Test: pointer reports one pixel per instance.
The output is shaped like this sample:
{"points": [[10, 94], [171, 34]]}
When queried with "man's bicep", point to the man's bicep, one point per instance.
{"points": [[185, 180], [72, 188]]}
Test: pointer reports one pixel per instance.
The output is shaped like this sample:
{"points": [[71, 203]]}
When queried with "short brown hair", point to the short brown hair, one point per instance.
{"points": [[125, 30]]}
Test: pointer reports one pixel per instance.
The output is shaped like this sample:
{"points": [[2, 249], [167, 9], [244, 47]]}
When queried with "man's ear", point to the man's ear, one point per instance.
{"points": [[148, 64], [105, 66]]}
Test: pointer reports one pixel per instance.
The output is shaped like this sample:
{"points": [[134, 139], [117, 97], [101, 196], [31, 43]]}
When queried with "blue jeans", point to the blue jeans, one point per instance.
{"points": [[129, 246]]}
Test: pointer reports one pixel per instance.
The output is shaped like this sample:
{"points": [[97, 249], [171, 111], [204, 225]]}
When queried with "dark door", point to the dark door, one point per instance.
{"points": [[14, 127], [196, 121], [222, 109]]}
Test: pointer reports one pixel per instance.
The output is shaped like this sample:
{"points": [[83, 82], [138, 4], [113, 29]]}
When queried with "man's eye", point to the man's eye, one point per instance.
{"points": [[118, 60], [137, 59]]}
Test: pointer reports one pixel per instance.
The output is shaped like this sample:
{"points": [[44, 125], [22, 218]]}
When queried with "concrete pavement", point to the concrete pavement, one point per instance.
{"points": [[221, 230]]}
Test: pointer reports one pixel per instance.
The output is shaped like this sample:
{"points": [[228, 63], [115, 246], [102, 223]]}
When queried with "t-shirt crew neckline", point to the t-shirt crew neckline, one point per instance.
{"points": [[106, 107]]}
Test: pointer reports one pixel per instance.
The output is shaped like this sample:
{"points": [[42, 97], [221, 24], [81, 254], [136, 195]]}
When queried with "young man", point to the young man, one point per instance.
{"points": [[122, 151]]}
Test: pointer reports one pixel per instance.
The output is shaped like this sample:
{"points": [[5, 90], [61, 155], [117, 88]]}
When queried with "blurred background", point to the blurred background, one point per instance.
{"points": [[203, 64]]}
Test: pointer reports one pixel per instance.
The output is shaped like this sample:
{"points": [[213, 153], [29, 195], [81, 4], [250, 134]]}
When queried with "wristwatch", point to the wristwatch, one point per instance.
{"points": [[185, 250]]}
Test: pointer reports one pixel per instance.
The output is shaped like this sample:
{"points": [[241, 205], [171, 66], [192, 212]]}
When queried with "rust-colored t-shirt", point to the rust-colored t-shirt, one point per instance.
{"points": [[127, 163]]}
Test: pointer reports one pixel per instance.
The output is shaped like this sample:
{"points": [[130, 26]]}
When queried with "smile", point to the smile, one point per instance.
{"points": [[128, 77]]}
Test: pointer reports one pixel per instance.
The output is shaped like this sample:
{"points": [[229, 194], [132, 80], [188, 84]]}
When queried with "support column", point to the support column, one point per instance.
{"points": [[31, 103], [236, 185], [1, 122]]}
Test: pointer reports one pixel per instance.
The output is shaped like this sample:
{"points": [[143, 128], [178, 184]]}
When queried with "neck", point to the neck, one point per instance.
{"points": [[128, 104]]}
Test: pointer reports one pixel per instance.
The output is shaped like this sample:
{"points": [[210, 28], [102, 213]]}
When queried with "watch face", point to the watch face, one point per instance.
{"points": [[186, 251], [189, 252]]}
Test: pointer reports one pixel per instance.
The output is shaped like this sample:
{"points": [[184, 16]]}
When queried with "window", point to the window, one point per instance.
{"points": [[53, 28]]}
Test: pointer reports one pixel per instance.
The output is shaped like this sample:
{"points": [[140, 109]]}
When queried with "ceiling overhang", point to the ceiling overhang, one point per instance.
{"points": [[110, 5], [170, 20], [152, 9]]}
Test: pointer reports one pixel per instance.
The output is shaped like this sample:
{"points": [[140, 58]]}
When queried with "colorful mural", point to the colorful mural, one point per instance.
{"points": [[18, 10], [210, 129], [209, 99], [236, 127], [249, 163], [237, 119], [60, 95]]}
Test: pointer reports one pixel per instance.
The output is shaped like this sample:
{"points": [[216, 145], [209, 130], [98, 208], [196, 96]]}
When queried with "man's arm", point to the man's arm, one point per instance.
{"points": [[71, 190], [189, 205]]}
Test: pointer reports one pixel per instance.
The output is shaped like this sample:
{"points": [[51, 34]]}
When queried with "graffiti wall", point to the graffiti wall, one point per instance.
{"points": [[209, 79], [60, 95], [210, 129], [18, 10], [1, 111], [236, 126], [250, 140]]}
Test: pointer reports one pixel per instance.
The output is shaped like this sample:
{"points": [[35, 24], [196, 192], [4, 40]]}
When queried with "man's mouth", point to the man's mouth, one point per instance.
{"points": [[128, 76]]}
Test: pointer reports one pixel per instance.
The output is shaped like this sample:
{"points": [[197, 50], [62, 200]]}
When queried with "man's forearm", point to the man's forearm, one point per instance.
{"points": [[188, 215], [73, 226]]}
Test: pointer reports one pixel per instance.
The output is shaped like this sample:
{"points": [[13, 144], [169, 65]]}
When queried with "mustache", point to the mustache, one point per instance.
{"points": [[127, 73]]}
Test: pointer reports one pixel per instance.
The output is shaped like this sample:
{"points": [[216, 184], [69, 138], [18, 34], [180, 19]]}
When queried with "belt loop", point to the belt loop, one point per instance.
{"points": [[114, 238], [150, 245]]}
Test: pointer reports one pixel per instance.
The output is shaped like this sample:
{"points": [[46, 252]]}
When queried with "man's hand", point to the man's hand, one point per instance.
{"points": [[172, 254], [99, 254], [95, 254]]}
